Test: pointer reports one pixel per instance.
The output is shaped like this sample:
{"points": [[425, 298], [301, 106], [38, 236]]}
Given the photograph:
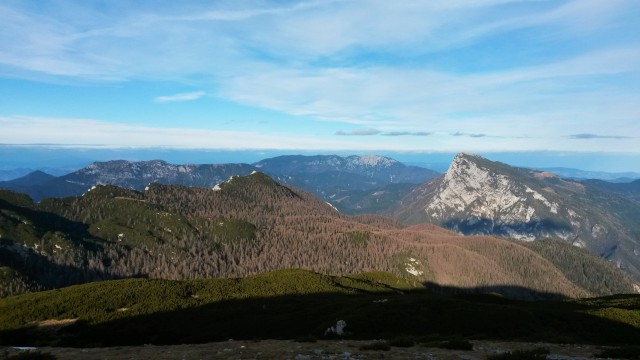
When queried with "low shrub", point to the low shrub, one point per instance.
{"points": [[377, 345], [32, 355], [533, 354], [452, 344], [402, 341]]}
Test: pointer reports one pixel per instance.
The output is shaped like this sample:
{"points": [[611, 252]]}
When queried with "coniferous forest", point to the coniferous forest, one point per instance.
{"points": [[252, 224]]}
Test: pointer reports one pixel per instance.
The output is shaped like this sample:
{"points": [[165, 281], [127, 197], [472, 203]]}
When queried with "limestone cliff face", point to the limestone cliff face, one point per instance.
{"points": [[484, 196], [468, 187], [478, 196]]}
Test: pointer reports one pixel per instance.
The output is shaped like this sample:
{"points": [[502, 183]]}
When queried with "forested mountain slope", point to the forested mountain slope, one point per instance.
{"points": [[252, 224]]}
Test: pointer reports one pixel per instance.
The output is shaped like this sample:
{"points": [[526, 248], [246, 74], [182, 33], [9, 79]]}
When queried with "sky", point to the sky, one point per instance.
{"points": [[484, 76]]}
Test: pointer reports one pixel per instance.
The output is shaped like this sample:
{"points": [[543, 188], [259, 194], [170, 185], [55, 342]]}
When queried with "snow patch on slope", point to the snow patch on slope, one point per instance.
{"points": [[334, 208], [553, 207], [412, 267]]}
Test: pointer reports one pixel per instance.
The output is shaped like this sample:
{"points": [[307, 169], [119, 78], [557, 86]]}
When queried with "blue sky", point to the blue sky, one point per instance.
{"points": [[486, 76]]}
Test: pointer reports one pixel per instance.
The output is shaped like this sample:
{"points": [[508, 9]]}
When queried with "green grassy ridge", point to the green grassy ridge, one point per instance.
{"points": [[294, 303], [99, 301]]}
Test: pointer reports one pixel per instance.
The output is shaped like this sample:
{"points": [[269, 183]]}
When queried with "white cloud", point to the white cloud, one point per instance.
{"points": [[173, 41], [597, 136], [180, 97], [22, 130], [359, 132], [550, 95], [336, 61], [89, 133]]}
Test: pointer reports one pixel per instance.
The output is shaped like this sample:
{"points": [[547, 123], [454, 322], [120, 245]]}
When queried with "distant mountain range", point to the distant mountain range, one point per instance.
{"points": [[15, 173], [569, 173], [440, 167], [376, 168], [342, 181], [126, 174], [478, 196], [353, 184], [10, 174]]}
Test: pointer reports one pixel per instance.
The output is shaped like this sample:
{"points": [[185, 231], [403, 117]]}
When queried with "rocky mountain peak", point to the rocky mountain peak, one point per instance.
{"points": [[465, 167], [479, 196], [488, 189], [473, 187], [372, 160]]}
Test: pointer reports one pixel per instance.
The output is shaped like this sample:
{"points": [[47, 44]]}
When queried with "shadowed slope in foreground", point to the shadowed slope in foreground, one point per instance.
{"points": [[292, 304]]}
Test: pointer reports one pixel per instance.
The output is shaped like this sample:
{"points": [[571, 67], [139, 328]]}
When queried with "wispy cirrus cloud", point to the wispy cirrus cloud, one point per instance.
{"points": [[596, 136], [179, 97], [359, 132], [65, 132], [26, 130], [472, 135], [166, 40], [371, 132], [406, 133]]}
